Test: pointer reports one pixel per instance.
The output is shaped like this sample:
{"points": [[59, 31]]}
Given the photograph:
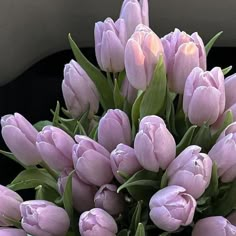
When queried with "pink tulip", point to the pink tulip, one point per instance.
{"points": [[89, 156], [110, 41], [154, 145], [123, 159], [230, 129], [114, 128], [191, 170], [55, 147], [20, 137], [214, 226], [199, 86], [12, 232], [79, 91], [183, 52], [230, 95], [43, 218], [171, 207], [97, 222], [142, 53], [134, 12]]}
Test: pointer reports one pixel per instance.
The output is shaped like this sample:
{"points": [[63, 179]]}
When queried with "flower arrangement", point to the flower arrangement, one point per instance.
{"points": [[145, 146]]}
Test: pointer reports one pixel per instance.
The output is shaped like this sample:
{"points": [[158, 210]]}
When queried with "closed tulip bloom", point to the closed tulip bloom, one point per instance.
{"points": [[109, 200], [114, 128], [12, 232], [9, 206], [134, 12], [123, 159], [191, 170], [89, 156], [230, 129], [199, 86], [230, 95], [142, 53], [128, 91], [82, 193], [41, 217], [223, 154], [20, 137], [214, 226], [97, 222], [183, 52], [55, 147], [79, 91], [171, 207], [154, 145], [110, 41]]}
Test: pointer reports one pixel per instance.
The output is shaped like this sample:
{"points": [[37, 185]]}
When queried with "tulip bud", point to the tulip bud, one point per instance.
{"points": [[190, 170], [12, 232], [214, 226], [109, 200], [223, 154], [128, 91], [123, 159], [230, 129], [154, 145], [199, 86], [183, 52], [55, 147], [114, 128], [110, 41], [171, 207], [79, 91], [134, 12], [82, 193], [89, 156], [230, 95], [20, 137], [142, 53], [9, 206], [97, 222], [41, 217]]}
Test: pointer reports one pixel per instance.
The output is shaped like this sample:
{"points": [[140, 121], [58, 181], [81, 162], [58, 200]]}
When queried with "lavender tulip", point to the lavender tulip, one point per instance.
{"points": [[79, 92], [223, 154], [134, 12], [214, 226], [142, 53], [114, 128], [9, 206], [191, 170], [20, 137], [200, 85], [82, 193], [128, 91], [55, 147], [171, 207], [183, 52], [41, 217], [123, 159], [230, 95], [12, 232], [230, 129], [88, 156], [97, 222], [110, 41], [154, 145], [109, 200]]}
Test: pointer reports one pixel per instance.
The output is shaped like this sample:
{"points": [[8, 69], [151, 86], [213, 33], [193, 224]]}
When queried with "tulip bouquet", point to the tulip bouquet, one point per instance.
{"points": [[145, 145]]}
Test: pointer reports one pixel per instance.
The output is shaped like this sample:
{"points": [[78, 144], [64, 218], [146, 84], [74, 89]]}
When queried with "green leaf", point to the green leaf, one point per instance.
{"points": [[41, 124], [186, 140], [227, 70], [121, 78], [56, 114], [67, 196], [212, 41], [46, 193], [103, 87], [118, 98], [136, 218], [140, 230], [164, 180], [31, 178], [155, 95], [124, 232]]}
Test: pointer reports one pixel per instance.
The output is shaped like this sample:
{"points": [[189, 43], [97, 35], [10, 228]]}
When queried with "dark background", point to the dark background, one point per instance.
{"points": [[36, 91]]}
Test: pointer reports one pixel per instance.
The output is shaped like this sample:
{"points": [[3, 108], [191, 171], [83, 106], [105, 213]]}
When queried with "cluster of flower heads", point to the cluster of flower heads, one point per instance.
{"points": [[99, 164]]}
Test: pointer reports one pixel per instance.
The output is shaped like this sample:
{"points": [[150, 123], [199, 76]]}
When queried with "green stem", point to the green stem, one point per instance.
{"points": [[110, 81], [53, 173]]}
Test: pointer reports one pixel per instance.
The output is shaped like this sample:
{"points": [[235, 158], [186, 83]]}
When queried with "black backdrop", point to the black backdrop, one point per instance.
{"points": [[36, 91]]}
